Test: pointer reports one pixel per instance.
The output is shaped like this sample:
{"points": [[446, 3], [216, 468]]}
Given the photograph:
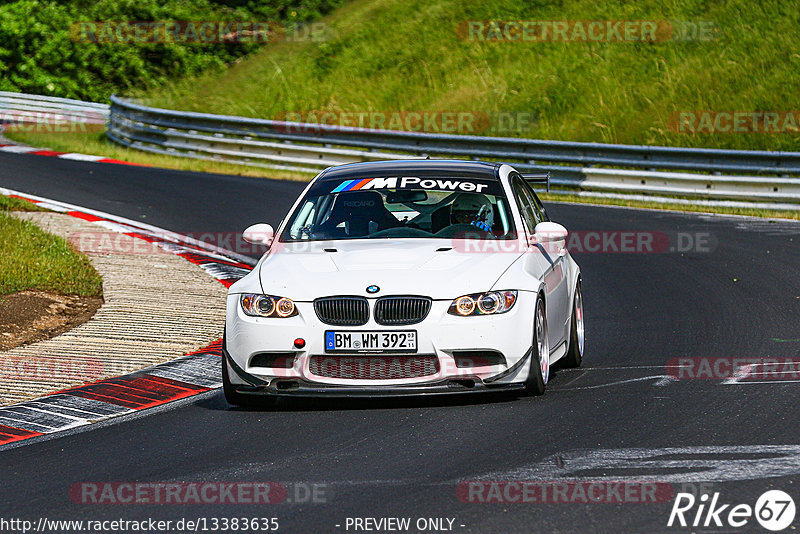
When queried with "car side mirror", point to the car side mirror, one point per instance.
{"points": [[548, 232], [259, 234]]}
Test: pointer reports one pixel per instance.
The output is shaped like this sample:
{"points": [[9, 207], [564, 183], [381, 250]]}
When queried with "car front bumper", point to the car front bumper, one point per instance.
{"points": [[439, 334]]}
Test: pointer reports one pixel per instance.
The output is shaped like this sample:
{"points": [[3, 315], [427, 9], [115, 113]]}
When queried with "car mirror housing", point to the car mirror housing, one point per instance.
{"points": [[548, 232], [259, 234]]}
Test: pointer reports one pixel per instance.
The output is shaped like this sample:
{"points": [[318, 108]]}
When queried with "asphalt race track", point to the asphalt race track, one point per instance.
{"points": [[625, 416]]}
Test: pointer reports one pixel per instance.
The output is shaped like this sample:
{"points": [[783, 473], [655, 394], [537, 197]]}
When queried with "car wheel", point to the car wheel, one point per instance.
{"points": [[539, 371], [238, 399], [574, 355]]}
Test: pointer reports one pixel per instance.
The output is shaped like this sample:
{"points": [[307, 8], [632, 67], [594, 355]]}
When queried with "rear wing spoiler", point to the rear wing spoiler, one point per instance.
{"points": [[538, 179]]}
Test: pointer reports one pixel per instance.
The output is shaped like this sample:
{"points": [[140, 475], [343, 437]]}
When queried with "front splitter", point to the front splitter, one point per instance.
{"points": [[297, 387]]}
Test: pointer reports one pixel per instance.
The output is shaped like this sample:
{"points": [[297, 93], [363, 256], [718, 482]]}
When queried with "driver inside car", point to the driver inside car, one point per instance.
{"points": [[473, 209]]}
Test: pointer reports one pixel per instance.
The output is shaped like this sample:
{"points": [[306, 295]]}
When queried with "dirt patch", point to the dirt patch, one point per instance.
{"points": [[30, 316]]}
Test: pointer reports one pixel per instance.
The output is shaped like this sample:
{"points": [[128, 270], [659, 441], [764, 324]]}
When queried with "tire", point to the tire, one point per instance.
{"points": [[539, 370], [574, 356], [238, 399]]}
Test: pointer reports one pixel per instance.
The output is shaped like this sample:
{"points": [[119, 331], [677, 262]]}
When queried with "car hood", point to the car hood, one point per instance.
{"points": [[438, 269]]}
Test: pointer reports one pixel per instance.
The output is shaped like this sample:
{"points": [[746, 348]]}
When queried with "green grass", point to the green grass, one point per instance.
{"points": [[33, 259], [17, 204], [390, 55]]}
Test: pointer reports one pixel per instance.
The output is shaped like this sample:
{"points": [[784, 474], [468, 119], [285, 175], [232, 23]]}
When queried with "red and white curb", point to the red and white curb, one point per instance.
{"points": [[189, 375], [23, 149], [183, 377]]}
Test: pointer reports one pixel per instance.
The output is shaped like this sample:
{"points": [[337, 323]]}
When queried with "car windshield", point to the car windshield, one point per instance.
{"points": [[402, 207]]}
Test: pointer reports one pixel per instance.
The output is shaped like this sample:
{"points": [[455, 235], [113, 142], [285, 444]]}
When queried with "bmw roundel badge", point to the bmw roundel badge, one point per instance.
{"points": [[373, 289]]}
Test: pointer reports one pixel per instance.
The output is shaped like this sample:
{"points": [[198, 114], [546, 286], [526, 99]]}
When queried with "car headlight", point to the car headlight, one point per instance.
{"points": [[489, 303], [267, 306]]}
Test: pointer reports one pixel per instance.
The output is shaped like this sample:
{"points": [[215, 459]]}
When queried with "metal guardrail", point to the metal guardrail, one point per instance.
{"points": [[749, 175], [738, 175], [23, 109]]}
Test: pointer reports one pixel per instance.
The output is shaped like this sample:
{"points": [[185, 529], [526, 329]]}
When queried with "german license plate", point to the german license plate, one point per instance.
{"points": [[357, 341]]}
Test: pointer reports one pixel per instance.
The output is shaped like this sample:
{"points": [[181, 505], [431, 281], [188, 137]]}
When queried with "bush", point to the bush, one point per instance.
{"points": [[38, 54]]}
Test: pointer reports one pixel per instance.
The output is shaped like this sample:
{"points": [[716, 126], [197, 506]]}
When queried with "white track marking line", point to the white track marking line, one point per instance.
{"points": [[663, 380], [747, 382], [746, 371], [620, 367], [741, 373], [81, 157], [17, 149]]}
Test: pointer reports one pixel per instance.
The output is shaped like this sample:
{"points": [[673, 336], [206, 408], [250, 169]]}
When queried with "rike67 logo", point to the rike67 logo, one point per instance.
{"points": [[774, 510]]}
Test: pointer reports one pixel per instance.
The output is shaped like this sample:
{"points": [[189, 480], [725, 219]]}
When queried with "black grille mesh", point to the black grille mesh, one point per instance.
{"points": [[342, 311], [401, 310]]}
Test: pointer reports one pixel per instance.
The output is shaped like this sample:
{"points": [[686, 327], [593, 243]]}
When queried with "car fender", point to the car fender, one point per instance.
{"points": [[515, 277], [250, 283]]}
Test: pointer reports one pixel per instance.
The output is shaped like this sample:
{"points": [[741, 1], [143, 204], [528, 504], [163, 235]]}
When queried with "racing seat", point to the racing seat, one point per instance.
{"points": [[362, 212], [440, 218]]}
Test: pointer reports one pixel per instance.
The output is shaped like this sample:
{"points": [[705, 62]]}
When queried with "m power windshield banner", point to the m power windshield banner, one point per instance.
{"points": [[413, 182]]}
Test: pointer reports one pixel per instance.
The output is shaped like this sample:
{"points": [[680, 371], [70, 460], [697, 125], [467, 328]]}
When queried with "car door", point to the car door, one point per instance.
{"points": [[544, 262], [563, 263]]}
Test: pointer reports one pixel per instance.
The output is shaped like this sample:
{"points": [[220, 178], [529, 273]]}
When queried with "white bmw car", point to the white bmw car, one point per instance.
{"points": [[405, 277]]}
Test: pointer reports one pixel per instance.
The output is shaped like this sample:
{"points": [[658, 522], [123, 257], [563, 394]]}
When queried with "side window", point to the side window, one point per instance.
{"points": [[538, 207], [305, 216], [524, 203]]}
